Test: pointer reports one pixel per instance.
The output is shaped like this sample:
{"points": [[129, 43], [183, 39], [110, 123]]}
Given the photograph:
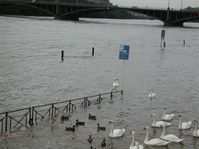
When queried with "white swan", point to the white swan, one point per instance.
{"points": [[159, 123], [135, 144], [167, 117], [152, 94], [114, 133], [116, 83], [196, 130], [184, 125], [155, 141], [170, 137]]}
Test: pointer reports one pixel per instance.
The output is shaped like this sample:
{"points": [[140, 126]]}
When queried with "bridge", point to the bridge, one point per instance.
{"points": [[73, 11]]}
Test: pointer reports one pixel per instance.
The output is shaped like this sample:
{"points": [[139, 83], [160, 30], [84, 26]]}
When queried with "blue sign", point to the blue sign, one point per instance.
{"points": [[124, 52]]}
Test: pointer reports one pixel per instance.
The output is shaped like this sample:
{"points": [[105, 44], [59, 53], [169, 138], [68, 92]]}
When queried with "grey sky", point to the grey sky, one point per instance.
{"points": [[157, 3]]}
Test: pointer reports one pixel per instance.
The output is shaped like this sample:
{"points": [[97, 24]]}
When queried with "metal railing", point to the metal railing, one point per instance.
{"points": [[14, 120]]}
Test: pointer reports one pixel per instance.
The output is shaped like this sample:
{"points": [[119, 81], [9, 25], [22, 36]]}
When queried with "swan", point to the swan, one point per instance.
{"points": [[170, 137], [167, 117], [152, 94], [135, 144], [155, 141], [116, 83], [196, 130], [159, 123], [114, 133], [184, 125]]}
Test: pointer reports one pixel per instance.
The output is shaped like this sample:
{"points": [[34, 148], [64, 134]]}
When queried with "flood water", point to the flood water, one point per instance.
{"points": [[31, 73]]}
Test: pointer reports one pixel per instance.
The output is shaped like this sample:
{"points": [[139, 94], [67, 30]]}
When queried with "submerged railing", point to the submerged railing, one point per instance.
{"points": [[12, 121]]}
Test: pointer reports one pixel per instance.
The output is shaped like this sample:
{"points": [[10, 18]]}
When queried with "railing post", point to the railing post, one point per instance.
{"points": [[10, 123], [6, 122], [2, 126], [111, 94], [69, 109], [52, 114]]}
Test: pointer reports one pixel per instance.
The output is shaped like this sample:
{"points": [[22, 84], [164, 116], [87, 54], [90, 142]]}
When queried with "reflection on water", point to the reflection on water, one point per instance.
{"points": [[32, 73]]}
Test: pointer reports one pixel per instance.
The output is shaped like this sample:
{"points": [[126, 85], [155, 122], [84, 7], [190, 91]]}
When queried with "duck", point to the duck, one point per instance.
{"points": [[155, 141], [70, 128], [116, 83], [184, 125], [170, 137], [115, 133], [100, 127], [91, 147], [103, 143], [91, 117], [9, 135], [78, 123], [64, 118], [167, 117], [152, 94], [158, 124], [90, 139], [196, 130], [135, 144]]}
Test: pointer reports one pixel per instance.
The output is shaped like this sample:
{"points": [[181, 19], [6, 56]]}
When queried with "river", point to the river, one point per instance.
{"points": [[31, 73]]}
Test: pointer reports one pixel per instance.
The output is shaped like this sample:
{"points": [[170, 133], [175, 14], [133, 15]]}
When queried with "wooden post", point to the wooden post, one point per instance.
{"points": [[93, 51], [62, 55], [184, 42], [164, 44]]}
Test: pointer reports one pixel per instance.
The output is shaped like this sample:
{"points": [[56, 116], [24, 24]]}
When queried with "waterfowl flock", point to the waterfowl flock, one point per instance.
{"points": [[163, 139]]}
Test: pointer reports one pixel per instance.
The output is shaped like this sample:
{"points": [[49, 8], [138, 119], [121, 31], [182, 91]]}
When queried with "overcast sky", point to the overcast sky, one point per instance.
{"points": [[157, 3]]}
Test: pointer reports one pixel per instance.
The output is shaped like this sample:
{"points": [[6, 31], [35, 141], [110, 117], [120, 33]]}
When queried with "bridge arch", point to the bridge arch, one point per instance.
{"points": [[74, 15], [187, 19]]}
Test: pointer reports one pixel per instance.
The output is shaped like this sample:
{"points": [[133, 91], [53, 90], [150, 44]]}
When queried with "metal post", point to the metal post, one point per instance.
{"points": [[69, 106], [181, 4], [2, 126], [10, 123], [111, 94], [52, 116], [6, 122], [123, 75]]}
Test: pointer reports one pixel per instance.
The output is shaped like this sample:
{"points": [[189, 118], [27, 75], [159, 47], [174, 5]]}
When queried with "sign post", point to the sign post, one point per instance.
{"points": [[124, 55]]}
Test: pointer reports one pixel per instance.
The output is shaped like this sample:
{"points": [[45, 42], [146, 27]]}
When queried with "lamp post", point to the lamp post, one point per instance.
{"points": [[168, 3], [181, 4]]}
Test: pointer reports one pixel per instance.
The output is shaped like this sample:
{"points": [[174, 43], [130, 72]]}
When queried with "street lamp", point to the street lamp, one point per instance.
{"points": [[181, 4], [168, 3]]}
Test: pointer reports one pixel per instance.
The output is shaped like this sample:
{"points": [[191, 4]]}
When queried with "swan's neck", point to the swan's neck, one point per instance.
{"points": [[133, 140], [196, 128], [163, 131], [147, 136], [137, 145], [180, 123], [154, 121], [164, 113], [112, 128]]}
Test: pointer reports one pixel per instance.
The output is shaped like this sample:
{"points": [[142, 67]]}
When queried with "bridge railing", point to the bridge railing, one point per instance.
{"points": [[16, 120]]}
